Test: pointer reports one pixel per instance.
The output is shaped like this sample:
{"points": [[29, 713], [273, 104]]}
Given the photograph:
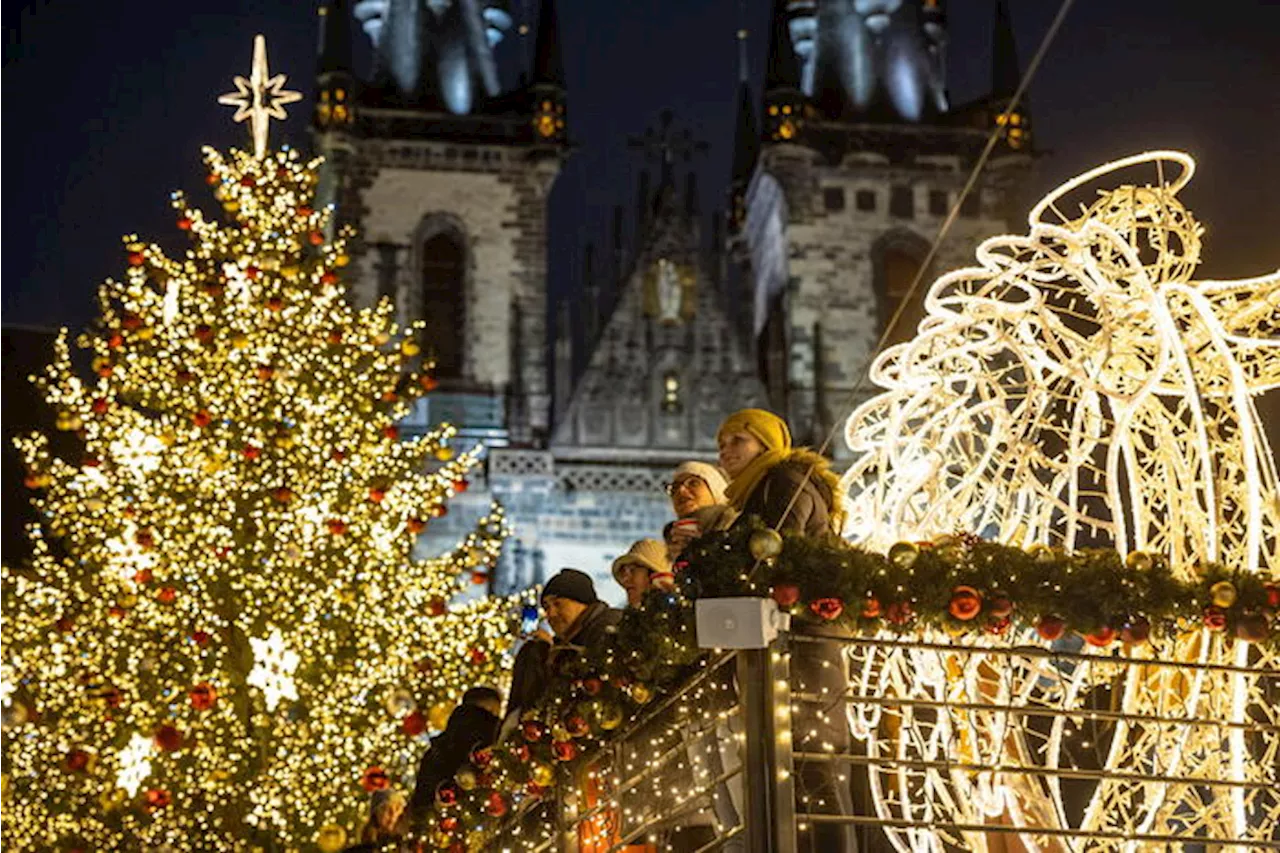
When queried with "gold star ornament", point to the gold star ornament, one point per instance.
{"points": [[259, 98]]}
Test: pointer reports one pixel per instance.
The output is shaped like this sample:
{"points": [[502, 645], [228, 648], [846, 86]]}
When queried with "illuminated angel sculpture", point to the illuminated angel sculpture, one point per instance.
{"points": [[1078, 389]]}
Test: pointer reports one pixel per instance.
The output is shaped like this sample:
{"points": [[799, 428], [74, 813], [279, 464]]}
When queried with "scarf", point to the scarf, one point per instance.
{"points": [[746, 481]]}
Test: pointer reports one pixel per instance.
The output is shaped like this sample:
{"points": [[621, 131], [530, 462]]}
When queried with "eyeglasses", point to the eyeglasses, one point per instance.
{"points": [[686, 483]]}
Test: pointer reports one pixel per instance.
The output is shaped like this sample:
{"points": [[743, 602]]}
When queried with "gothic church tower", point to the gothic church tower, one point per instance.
{"points": [[446, 177], [835, 202]]}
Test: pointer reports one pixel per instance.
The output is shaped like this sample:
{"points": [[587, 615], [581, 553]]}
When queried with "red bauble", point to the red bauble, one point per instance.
{"points": [[965, 604], [495, 805], [77, 760], [1135, 631], [115, 341], [100, 406], [145, 538], [592, 685], [203, 696], [142, 576], [482, 757], [535, 790], [428, 383], [65, 624], [202, 419], [137, 259], [1215, 618], [1050, 628], [871, 608], [246, 181], [786, 594], [1104, 636], [338, 455], [576, 725], [316, 238], [252, 273], [335, 337], [131, 321], [478, 656], [204, 333], [168, 738], [166, 595], [461, 486], [375, 779], [564, 750], [200, 638], [416, 525], [184, 223], [478, 578], [392, 432], [275, 303], [377, 494], [1000, 606], [251, 452], [157, 798], [90, 462], [304, 211], [522, 753], [211, 179], [900, 613], [329, 278], [283, 494], [265, 372], [414, 723], [999, 626], [1273, 595], [533, 730], [437, 607], [184, 376], [336, 526], [439, 511], [447, 793], [827, 609], [448, 824]]}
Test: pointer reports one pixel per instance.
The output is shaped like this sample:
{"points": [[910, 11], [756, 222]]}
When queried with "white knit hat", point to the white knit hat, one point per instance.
{"points": [[715, 479]]}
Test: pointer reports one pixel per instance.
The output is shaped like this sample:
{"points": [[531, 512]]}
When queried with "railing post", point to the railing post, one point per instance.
{"points": [[764, 682]]}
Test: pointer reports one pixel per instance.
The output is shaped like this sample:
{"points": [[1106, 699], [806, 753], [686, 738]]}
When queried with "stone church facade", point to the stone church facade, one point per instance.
{"points": [[843, 173]]}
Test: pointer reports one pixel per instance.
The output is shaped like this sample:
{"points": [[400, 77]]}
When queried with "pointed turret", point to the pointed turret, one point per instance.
{"points": [[548, 65], [547, 79], [783, 98], [334, 77], [1005, 73]]}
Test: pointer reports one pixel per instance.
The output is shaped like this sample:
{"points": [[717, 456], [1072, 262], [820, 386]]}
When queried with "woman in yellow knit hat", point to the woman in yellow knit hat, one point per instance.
{"points": [[790, 489]]}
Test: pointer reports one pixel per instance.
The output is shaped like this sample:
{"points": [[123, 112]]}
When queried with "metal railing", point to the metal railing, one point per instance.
{"points": [[920, 745]]}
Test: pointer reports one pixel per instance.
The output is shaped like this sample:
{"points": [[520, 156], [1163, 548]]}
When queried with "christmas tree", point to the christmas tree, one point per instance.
{"points": [[223, 639]]}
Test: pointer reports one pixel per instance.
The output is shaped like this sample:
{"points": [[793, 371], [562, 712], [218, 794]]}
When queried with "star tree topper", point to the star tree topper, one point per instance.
{"points": [[259, 98]]}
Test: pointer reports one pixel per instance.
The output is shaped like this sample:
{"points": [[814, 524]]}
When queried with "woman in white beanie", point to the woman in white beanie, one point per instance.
{"points": [[697, 492]]}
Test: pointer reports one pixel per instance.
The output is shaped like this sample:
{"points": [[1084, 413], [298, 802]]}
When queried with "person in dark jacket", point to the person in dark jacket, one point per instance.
{"points": [[473, 724], [579, 621], [794, 491]]}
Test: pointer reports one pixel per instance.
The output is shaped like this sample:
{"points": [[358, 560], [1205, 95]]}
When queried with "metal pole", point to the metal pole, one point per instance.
{"points": [[769, 788]]}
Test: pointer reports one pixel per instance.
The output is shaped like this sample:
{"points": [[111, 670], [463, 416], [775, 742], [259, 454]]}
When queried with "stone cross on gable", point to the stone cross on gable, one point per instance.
{"points": [[666, 144]]}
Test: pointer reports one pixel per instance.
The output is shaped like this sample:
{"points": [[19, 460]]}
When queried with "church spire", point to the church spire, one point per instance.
{"points": [[783, 99], [548, 90], [1005, 73], [746, 143], [548, 65], [335, 39]]}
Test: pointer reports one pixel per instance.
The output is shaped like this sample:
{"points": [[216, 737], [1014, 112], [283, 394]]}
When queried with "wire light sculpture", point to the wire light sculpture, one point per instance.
{"points": [[1077, 388]]}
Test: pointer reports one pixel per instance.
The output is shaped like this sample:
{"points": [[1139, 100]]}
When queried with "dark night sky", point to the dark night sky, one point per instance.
{"points": [[106, 106]]}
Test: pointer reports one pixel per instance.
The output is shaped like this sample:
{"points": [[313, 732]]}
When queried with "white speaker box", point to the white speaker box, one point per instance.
{"points": [[739, 623]]}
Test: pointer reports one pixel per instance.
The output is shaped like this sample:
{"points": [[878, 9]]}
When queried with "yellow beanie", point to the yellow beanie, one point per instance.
{"points": [[769, 429]]}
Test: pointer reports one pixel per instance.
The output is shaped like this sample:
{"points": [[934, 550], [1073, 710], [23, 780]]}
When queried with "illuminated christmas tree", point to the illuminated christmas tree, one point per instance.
{"points": [[223, 639]]}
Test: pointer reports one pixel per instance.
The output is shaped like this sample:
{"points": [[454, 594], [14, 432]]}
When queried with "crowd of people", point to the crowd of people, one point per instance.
{"points": [[760, 475]]}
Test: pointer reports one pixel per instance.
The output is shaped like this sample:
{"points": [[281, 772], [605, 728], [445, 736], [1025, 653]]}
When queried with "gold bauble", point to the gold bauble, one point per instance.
{"points": [[68, 421], [285, 441], [146, 333], [444, 454], [341, 260], [641, 693], [331, 838], [112, 799], [1139, 561], [1224, 594], [400, 702], [410, 348], [903, 554], [290, 271], [438, 716], [239, 340], [542, 774], [95, 504], [765, 544], [466, 777]]}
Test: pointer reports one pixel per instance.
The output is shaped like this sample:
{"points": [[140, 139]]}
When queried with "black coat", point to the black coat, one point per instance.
{"points": [[469, 727], [811, 512], [538, 661]]}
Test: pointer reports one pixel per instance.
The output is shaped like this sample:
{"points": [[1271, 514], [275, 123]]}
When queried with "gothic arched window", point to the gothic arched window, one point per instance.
{"points": [[444, 268]]}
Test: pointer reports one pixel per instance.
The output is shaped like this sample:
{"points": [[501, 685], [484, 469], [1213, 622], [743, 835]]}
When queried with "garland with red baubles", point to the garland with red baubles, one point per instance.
{"points": [[960, 584]]}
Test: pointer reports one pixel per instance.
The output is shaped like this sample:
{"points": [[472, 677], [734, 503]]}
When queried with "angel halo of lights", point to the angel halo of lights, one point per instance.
{"points": [[1077, 388]]}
